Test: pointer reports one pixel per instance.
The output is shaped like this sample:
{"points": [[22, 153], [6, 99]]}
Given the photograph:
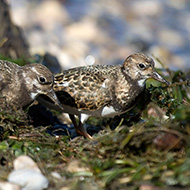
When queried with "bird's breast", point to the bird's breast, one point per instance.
{"points": [[125, 94]]}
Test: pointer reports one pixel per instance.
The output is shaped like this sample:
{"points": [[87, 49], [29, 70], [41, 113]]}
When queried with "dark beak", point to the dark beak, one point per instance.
{"points": [[50, 94], [159, 78]]}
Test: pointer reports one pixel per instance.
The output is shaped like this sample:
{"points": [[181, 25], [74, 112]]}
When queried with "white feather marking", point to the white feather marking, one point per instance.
{"points": [[33, 95], [104, 84], [108, 111], [27, 79], [24, 74], [141, 82], [65, 84], [83, 117], [34, 69], [75, 93]]}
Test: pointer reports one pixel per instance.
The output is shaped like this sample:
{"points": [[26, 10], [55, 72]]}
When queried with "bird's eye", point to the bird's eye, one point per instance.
{"points": [[42, 79], [142, 66]]}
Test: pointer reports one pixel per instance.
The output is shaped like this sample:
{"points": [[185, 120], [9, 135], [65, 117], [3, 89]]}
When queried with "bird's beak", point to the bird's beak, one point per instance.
{"points": [[50, 94], [159, 78]]}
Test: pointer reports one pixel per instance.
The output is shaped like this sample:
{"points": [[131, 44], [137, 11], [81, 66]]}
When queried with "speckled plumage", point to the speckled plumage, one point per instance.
{"points": [[21, 85], [84, 87], [104, 90]]}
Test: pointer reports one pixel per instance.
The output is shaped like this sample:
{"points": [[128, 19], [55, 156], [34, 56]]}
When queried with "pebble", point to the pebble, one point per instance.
{"points": [[27, 175], [75, 166], [56, 175], [9, 186]]}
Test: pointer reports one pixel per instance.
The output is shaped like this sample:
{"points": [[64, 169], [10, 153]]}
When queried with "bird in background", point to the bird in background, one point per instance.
{"points": [[20, 86]]}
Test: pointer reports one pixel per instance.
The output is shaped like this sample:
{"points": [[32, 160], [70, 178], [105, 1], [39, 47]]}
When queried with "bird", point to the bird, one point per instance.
{"points": [[21, 85], [103, 90]]}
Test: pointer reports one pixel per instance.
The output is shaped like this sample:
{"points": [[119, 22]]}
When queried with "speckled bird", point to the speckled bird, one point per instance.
{"points": [[20, 86], [104, 90]]}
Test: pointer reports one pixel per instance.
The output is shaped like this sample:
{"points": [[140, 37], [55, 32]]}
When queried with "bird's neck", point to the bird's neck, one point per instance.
{"points": [[25, 90], [125, 90]]}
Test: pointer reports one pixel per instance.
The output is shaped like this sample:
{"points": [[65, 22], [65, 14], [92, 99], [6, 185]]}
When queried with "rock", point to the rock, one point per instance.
{"points": [[75, 166], [25, 162], [171, 38], [168, 141], [9, 186], [146, 7], [28, 179], [27, 174]]}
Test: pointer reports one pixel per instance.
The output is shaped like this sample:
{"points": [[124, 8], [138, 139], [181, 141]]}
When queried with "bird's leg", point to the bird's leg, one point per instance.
{"points": [[79, 128]]}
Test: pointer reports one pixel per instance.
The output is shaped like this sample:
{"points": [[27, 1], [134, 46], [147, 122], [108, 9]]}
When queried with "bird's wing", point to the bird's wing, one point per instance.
{"points": [[84, 87]]}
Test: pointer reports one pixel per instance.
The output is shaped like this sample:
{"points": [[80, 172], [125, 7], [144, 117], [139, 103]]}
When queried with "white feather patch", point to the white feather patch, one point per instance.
{"points": [[83, 117], [108, 111], [33, 95], [65, 84], [34, 69], [141, 82], [104, 84]]}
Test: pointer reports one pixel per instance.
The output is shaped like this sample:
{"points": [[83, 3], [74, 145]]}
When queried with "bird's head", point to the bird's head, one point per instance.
{"points": [[140, 67], [39, 81]]}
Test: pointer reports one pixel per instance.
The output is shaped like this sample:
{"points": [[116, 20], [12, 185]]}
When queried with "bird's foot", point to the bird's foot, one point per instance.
{"points": [[83, 132]]}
